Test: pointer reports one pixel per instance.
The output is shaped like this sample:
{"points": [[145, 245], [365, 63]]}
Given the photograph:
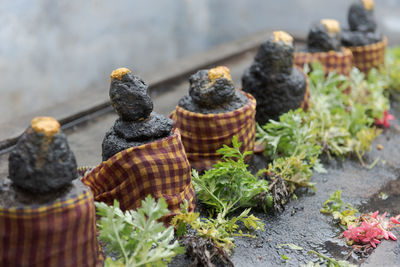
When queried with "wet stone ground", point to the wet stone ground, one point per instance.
{"points": [[302, 223]]}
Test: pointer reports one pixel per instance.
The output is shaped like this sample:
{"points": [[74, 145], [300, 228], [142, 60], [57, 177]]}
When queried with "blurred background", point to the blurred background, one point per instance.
{"points": [[52, 51]]}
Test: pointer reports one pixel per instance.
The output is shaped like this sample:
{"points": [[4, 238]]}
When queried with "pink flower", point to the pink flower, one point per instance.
{"points": [[385, 120], [394, 220], [372, 229]]}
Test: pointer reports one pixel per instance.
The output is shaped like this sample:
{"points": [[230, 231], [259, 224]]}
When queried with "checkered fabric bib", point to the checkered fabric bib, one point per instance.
{"points": [[159, 168], [369, 56], [341, 62], [62, 233], [204, 134]]}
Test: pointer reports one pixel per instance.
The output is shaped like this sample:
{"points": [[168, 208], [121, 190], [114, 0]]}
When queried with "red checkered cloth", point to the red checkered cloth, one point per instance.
{"points": [[369, 56], [62, 233], [159, 168], [332, 60], [204, 134], [306, 102]]}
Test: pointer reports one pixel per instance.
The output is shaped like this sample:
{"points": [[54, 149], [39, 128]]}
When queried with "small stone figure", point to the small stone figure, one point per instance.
{"points": [[277, 86], [362, 25], [361, 17], [42, 161], [48, 216], [137, 124], [212, 91], [324, 36]]}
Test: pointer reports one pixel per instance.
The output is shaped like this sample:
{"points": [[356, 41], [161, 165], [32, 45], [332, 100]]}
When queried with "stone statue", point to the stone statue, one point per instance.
{"points": [[137, 123]]}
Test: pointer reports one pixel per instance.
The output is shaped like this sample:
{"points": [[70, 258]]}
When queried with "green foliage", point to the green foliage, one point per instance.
{"points": [[342, 120], [292, 146], [344, 213], [285, 258], [329, 262], [295, 170], [229, 185], [392, 68], [137, 237], [289, 136], [219, 230], [338, 123], [290, 245]]}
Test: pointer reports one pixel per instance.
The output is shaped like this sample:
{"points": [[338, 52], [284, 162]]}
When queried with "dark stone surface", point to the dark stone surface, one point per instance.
{"points": [[124, 135], [238, 100], [350, 38], [320, 40], [129, 98], [361, 19], [137, 124], [11, 196], [272, 80], [362, 27], [41, 164], [153, 127], [273, 57], [211, 97]]}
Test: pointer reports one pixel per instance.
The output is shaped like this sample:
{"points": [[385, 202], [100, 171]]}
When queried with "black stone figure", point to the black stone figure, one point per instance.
{"points": [[42, 161], [362, 25], [277, 86], [41, 166], [324, 36], [212, 91], [137, 124]]}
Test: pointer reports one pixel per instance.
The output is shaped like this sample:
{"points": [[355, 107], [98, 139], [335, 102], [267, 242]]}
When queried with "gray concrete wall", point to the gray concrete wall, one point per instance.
{"points": [[50, 50]]}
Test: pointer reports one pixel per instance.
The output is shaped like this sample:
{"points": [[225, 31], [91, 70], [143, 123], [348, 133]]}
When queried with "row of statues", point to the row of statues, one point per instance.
{"points": [[43, 169]]}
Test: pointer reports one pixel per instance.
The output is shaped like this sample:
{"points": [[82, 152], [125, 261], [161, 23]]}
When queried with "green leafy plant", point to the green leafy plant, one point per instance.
{"points": [[219, 230], [290, 136], [291, 145], [229, 185], [344, 109], [136, 237], [340, 211], [225, 188], [392, 69], [338, 123]]}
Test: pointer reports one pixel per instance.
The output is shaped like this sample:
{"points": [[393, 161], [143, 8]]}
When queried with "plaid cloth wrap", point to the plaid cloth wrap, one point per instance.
{"points": [[203, 134], [159, 168], [305, 104], [332, 60], [62, 233], [369, 56]]}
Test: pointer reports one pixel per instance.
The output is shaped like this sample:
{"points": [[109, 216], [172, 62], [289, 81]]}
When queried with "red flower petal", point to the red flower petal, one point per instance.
{"points": [[392, 236], [394, 220]]}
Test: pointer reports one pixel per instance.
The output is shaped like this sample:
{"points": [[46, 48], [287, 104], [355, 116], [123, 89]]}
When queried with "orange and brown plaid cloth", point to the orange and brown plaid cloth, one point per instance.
{"points": [[159, 168], [342, 61], [62, 233], [369, 56], [306, 101], [204, 134]]}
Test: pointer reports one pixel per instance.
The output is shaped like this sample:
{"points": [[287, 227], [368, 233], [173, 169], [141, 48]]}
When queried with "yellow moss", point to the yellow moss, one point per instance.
{"points": [[368, 4], [219, 72], [118, 73], [282, 36], [331, 25], [47, 125]]}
